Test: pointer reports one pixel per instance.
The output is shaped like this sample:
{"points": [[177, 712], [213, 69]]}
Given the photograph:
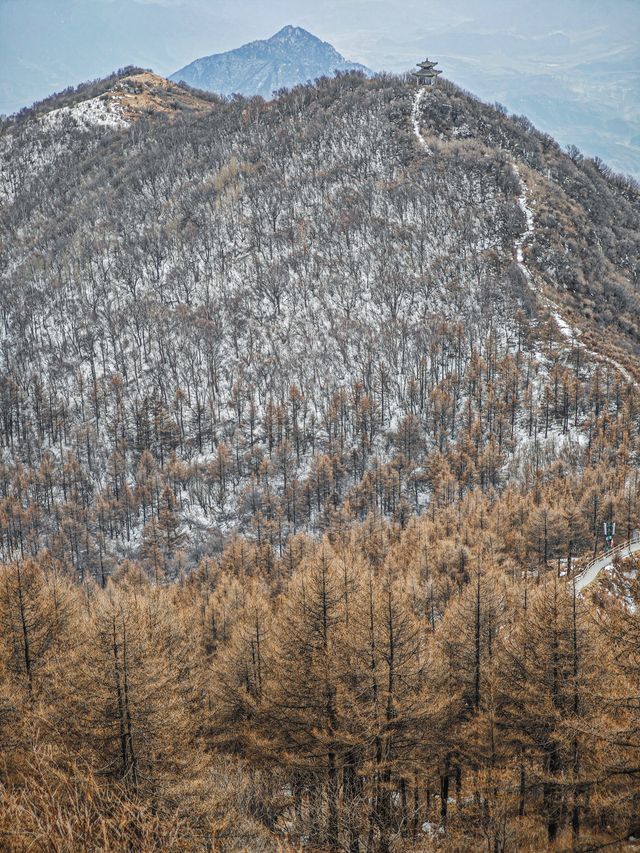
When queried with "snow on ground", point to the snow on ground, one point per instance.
{"points": [[96, 112], [416, 120], [523, 201], [43, 140]]}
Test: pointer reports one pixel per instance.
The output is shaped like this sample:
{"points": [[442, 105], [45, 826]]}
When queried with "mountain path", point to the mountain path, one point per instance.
{"points": [[593, 569], [569, 333], [415, 120]]}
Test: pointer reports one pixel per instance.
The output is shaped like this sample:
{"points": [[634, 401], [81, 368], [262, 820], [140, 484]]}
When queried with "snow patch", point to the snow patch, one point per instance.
{"points": [[415, 120], [96, 112]]}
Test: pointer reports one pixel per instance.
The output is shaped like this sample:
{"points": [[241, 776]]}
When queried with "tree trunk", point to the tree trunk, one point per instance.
{"points": [[444, 792], [522, 790]]}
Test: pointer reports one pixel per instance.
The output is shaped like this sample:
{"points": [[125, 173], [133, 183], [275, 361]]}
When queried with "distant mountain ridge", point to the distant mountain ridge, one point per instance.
{"points": [[289, 57]]}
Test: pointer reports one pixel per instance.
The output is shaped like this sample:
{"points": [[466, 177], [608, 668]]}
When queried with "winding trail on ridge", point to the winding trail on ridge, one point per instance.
{"points": [[415, 119], [591, 571], [568, 332]]}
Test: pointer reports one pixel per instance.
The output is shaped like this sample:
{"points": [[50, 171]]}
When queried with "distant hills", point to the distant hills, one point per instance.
{"points": [[289, 57], [573, 68]]}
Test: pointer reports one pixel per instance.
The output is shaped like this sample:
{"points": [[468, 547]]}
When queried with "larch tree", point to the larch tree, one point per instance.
{"points": [[548, 692]]}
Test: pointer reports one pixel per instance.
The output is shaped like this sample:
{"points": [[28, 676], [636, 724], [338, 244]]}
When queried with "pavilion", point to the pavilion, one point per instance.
{"points": [[427, 73]]}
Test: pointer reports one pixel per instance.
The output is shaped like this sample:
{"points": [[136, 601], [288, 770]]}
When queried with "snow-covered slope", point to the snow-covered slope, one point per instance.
{"points": [[96, 112], [48, 133], [261, 315]]}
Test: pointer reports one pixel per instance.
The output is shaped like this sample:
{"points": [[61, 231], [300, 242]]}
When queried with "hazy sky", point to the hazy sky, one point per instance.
{"points": [[572, 65]]}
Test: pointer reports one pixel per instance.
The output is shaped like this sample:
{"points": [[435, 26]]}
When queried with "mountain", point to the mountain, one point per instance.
{"points": [[294, 284], [573, 67], [311, 410], [289, 57]]}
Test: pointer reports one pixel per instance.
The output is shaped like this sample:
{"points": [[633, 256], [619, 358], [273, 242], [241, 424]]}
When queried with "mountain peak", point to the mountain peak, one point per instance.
{"points": [[290, 30], [294, 34], [289, 57]]}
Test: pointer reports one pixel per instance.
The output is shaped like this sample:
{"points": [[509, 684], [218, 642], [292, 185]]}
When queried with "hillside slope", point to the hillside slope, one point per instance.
{"points": [[267, 317], [60, 127]]}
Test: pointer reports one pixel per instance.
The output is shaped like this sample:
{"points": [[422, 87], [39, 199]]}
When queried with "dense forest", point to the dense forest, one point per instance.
{"points": [[382, 689], [306, 426]]}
